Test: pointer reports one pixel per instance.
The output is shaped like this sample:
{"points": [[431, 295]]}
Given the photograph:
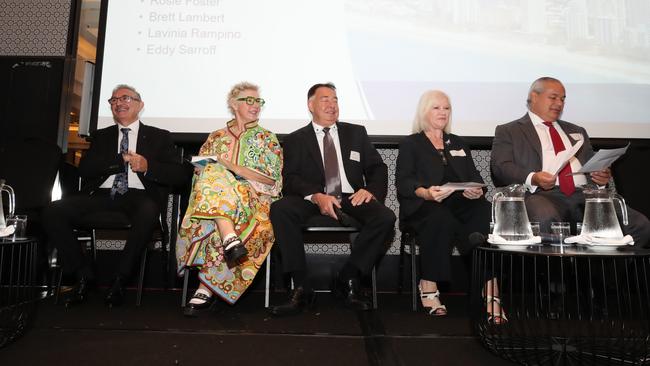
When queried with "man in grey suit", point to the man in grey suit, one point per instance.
{"points": [[522, 151]]}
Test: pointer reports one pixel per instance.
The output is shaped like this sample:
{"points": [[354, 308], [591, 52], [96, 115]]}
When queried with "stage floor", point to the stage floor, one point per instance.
{"points": [[157, 334]]}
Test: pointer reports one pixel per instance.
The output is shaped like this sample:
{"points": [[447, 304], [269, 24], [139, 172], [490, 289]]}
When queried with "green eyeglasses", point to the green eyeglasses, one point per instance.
{"points": [[252, 100]]}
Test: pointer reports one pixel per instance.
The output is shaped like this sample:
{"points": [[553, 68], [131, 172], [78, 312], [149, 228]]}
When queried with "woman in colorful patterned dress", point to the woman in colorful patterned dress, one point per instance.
{"points": [[226, 232]]}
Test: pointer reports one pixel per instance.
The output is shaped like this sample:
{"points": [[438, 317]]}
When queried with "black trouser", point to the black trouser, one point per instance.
{"points": [[61, 217], [290, 213], [439, 225]]}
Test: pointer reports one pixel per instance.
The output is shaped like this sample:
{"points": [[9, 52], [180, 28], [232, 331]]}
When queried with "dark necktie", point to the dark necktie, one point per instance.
{"points": [[567, 186], [121, 182], [331, 162]]}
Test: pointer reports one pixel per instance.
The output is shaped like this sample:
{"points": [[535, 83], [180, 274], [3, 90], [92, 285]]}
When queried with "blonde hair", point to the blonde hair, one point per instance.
{"points": [[236, 90], [420, 122]]}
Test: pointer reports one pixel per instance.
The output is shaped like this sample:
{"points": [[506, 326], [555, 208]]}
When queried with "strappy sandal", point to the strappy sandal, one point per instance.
{"points": [[234, 249], [437, 310], [498, 317]]}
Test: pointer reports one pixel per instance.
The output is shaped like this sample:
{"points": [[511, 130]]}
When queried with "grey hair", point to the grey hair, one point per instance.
{"points": [[425, 104], [537, 87], [236, 90], [129, 87]]}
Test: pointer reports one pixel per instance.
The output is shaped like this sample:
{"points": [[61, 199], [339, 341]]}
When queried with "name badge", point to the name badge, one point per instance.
{"points": [[576, 136], [460, 152], [354, 155]]}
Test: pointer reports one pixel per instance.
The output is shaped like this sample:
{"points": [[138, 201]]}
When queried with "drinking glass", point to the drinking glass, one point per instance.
{"points": [[560, 230]]}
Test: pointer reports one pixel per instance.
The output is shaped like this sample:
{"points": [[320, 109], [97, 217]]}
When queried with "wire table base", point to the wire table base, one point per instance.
{"points": [[564, 306], [18, 293]]}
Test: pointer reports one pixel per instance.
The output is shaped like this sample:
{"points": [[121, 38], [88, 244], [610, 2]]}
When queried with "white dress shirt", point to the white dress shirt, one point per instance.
{"points": [[134, 180], [346, 187], [548, 152]]}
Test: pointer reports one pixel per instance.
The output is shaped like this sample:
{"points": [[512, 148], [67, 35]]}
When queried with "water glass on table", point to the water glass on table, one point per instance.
{"points": [[560, 230], [535, 228], [19, 223]]}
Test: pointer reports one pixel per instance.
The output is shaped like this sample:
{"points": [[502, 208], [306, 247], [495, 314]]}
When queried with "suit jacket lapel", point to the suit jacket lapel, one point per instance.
{"points": [[454, 163], [312, 147], [528, 130], [142, 139], [345, 140]]}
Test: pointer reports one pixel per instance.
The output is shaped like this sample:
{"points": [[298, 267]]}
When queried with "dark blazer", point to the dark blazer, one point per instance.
{"points": [[303, 171], [420, 165], [155, 144], [517, 151]]}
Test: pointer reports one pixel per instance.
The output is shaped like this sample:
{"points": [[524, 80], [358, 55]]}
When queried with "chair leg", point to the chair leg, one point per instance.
{"points": [[374, 287], [93, 245], [186, 279], [143, 267], [400, 272], [267, 292], [414, 276], [58, 275]]}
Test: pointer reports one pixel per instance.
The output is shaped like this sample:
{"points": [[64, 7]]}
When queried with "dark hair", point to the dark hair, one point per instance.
{"points": [[312, 90]]}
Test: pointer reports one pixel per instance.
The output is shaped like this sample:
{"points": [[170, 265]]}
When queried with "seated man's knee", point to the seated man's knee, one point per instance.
{"points": [[541, 209]]}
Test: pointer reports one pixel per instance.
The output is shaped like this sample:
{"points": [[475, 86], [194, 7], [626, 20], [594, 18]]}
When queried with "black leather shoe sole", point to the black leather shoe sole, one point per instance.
{"points": [[289, 309], [234, 254], [194, 310], [351, 301]]}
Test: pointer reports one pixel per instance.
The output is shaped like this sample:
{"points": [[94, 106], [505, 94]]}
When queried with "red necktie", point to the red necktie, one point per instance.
{"points": [[566, 179]]}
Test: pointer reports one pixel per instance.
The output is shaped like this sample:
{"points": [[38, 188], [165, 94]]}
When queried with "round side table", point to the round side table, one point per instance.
{"points": [[565, 306], [18, 291]]}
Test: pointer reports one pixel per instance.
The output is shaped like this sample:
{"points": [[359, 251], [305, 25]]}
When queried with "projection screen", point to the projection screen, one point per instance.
{"points": [[184, 55]]}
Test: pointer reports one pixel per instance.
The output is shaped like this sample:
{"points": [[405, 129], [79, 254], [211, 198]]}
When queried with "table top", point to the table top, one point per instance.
{"points": [[9, 241], [568, 250]]}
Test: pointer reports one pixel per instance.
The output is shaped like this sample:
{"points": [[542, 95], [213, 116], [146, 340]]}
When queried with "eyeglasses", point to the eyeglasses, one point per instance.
{"points": [[252, 100], [123, 98]]}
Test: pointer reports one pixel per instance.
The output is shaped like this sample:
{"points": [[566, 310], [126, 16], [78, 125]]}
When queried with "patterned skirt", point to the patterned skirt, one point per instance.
{"points": [[217, 194]]}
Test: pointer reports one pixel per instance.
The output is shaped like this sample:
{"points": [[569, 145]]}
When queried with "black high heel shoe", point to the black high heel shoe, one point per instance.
{"points": [[193, 309], [234, 250], [437, 309]]}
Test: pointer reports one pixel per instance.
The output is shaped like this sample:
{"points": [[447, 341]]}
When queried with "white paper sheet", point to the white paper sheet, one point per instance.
{"points": [[563, 157], [602, 159], [461, 186]]}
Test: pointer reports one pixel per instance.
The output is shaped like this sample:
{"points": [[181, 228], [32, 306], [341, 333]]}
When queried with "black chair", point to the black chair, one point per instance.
{"points": [[118, 224], [326, 230], [319, 225], [408, 239]]}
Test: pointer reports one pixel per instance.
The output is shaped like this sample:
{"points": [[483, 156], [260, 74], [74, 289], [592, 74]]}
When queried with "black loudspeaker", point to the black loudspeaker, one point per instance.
{"points": [[30, 98]]}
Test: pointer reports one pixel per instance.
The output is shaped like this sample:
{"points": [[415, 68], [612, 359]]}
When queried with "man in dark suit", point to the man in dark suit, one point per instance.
{"points": [[522, 152], [331, 169], [127, 169]]}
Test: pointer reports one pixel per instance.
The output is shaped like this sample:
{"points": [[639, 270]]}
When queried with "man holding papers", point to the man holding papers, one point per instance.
{"points": [[532, 151]]}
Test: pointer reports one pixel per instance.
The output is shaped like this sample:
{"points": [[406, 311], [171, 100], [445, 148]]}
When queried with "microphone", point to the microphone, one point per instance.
{"points": [[474, 240]]}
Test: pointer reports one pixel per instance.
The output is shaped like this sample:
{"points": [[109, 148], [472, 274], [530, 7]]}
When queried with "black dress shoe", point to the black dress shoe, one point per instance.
{"points": [[192, 310], [79, 292], [299, 299], [234, 250], [349, 291], [115, 295]]}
